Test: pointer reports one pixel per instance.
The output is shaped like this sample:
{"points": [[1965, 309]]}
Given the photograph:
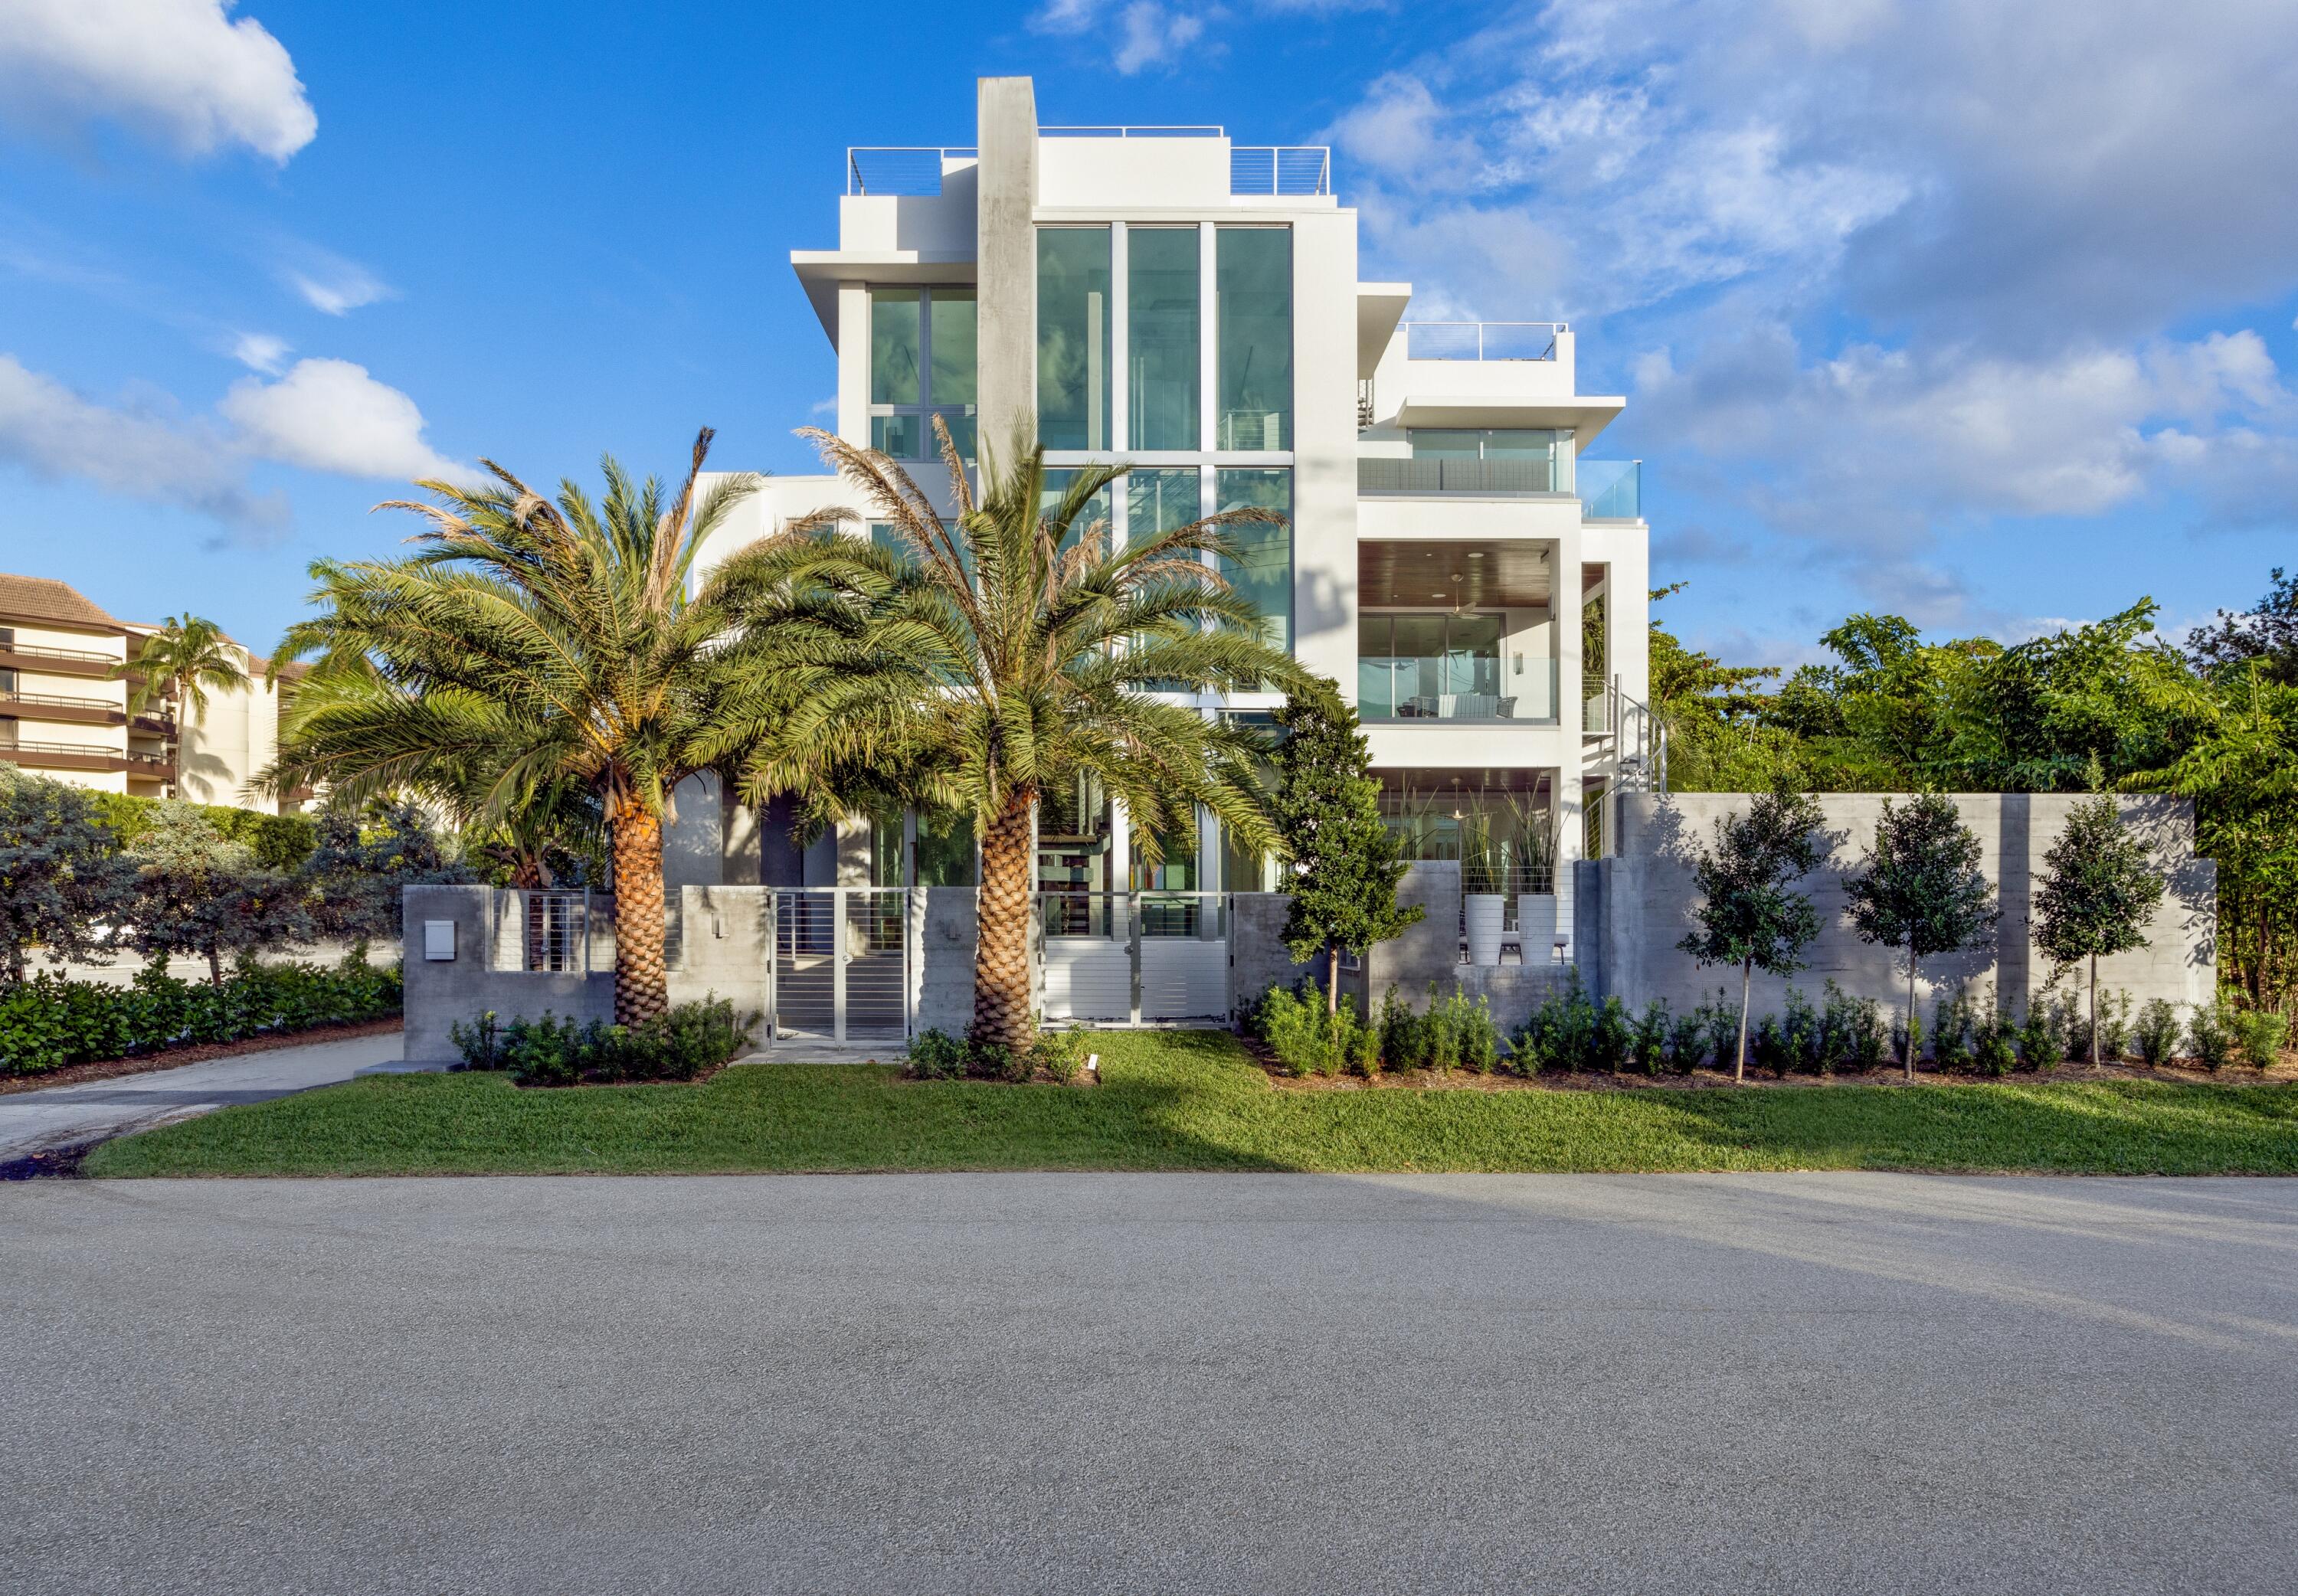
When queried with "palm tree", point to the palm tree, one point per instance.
{"points": [[539, 644], [180, 663], [973, 663]]}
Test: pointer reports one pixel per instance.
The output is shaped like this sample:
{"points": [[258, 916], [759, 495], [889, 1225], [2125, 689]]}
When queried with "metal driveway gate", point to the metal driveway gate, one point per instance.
{"points": [[1120, 958]]}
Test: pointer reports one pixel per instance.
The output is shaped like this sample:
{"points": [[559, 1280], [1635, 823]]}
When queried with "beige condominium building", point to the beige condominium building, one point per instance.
{"points": [[64, 713], [1455, 555]]}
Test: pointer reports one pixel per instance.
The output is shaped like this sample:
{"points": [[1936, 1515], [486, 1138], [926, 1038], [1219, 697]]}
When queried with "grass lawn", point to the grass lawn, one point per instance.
{"points": [[1194, 1100]]}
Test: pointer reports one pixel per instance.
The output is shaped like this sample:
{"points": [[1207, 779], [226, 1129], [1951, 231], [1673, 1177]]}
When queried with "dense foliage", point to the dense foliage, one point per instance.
{"points": [[2107, 703], [60, 875], [1920, 888], [278, 841], [678, 1044], [49, 1021], [1749, 912]]}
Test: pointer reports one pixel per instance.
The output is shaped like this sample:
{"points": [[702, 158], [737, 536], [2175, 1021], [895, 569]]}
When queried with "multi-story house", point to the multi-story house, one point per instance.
{"points": [[1451, 554], [64, 712]]}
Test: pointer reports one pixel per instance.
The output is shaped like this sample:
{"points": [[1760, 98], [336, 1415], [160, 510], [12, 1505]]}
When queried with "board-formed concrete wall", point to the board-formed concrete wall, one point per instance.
{"points": [[1644, 895]]}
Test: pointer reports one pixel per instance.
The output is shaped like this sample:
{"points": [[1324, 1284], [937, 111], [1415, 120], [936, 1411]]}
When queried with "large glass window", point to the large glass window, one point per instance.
{"points": [[1073, 338], [1159, 499], [921, 363], [1162, 361], [1262, 568], [1254, 281], [1518, 460], [945, 849], [1094, 514], [1420, 666]]}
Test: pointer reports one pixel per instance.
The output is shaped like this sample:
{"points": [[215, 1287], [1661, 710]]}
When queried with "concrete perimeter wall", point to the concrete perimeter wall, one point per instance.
{"points": [[1637, 905]]}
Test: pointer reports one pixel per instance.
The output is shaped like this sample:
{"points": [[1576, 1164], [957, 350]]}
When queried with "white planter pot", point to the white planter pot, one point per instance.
{"points": [[1535, 918], [1487, 912]]}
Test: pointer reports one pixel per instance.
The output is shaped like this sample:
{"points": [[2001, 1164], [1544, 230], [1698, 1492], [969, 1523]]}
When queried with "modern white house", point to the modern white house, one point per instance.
{"points": [[1456, 555]]}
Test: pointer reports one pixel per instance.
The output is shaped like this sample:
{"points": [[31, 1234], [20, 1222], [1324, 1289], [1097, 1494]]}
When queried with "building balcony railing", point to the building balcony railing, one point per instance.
{"points": [[1402, 688], [1533, 475], [1612, 490], [56, 700], [906, 170], [1482, 340], [1280, 170]]}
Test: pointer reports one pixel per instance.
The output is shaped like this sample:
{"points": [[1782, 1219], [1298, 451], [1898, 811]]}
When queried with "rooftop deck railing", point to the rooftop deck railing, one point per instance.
{"points": [[1286, 169], [910, 170], [1204, 131], [1480, 340]]}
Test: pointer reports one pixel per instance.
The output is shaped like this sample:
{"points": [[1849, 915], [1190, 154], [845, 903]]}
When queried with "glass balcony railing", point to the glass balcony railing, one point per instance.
{"points": [[1612, 490], [1452, 687], [1534, 475]]}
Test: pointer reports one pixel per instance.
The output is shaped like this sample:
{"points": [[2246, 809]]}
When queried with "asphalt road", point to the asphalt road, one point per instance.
{"points": [[1230, 1383]]}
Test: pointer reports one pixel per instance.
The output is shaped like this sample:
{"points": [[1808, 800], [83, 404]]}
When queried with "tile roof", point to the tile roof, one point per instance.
{"points": [[45, 598]]}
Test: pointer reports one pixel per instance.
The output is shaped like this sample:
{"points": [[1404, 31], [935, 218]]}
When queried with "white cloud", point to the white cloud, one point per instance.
{"points": [[52, 431], [1150, 35], [332, 284], [260, 351], [331, 415], [183, 68]]}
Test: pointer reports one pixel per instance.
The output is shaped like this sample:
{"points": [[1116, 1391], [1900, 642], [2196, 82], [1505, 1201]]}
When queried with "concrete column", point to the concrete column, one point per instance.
{"points": [[1571, 831], [854, 363], [1006, 259]]}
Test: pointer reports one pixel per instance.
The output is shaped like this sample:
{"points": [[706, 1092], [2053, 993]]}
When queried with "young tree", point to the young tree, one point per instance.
{"points": [[180, 662], [2097, 889], [63, 886], [351, 884], [1749, 914], [199, 892], [1345, 862], [1920, 888]]}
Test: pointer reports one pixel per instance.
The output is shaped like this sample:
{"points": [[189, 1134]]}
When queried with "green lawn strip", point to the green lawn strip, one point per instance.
{"points": [[1194, 1100]]}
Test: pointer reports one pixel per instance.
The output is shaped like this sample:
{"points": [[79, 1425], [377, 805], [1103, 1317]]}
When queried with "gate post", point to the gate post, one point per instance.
{"points": [[1133, 948], [838, 964]]}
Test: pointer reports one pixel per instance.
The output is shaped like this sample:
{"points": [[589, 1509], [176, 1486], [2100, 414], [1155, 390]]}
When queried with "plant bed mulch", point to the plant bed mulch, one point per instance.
{"points": [[168, 1058], [1463, 1080]]}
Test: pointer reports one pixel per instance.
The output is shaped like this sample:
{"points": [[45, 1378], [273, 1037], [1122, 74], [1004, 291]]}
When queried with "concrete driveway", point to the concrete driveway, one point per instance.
{"points": [[75, 1116], [1234, 1383]]}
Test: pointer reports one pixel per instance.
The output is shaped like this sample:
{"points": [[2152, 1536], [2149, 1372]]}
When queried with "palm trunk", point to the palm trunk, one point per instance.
{"points": [[641, 981], [2094, 1011], [1911, 1016], [1747, 978], [1001, 949]]}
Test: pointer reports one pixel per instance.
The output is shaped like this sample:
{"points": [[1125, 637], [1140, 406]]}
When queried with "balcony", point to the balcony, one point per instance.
{"points": [[55, 662], [62, 707], [1455, 687], [1612, 490], [1419, 478]]}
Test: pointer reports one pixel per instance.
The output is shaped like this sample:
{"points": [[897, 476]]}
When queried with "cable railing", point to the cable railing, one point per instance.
{"points": [[1176, 131], [1280, 170], [1482, 340], [905, 169]]}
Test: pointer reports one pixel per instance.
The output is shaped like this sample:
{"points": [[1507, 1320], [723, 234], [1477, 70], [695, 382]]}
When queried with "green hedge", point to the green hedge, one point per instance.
{"points": [[49, 1022], [280, 841]]}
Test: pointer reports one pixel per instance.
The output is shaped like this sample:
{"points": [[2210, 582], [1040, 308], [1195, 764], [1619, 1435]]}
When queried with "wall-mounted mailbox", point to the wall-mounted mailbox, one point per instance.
{"points": [[439, 939]]}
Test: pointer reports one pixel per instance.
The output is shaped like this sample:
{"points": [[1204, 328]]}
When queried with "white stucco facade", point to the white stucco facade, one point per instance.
{"points": [[1450, 525]]}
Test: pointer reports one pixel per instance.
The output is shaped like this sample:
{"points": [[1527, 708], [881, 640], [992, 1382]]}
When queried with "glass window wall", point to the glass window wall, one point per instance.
{"points": [[1073, 338], [1163, 365], [1262, 566], [921, 364], [1253, 270]]}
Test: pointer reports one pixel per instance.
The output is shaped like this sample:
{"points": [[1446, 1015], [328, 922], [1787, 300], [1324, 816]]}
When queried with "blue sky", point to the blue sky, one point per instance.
{"points": [[1981, 314]]}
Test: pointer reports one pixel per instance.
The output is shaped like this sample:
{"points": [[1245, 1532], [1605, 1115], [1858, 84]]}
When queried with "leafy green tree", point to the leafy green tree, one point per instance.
{"points": [[1717, 739], [1749, 914], [2267, 631], [1920, 888], [1345, 862], [540, 641], [182, 663], [63, 886], [2096, 892], [969, 662], [353, 882], [198, 892]]}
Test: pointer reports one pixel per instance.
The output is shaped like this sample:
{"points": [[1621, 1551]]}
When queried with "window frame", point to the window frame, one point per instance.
{"points": [[926, 406]]}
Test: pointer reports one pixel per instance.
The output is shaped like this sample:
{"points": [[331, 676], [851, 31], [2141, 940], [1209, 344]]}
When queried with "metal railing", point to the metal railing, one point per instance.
{"points": [[56, 700], [541, 932], [1176, 130], [1114, 916], [1482, 340], [64, 751], [905, 169], [42, 651], [1536, 474], [1510, 878], [1612, 490], [1280, 170]]}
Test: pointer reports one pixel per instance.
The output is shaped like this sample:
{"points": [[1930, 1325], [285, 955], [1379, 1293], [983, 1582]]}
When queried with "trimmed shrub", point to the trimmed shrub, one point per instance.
{"points": [[678, 1045], [2259, 1036], [2042, 1044], [1857, 1037], [1994, 1043], [1408, 1037], [49, 1022], [1058, 1056], [938, 1055], [1559, 1033], [1307, 1039], [2156, 1032], [1953, 1021], [1687, 1040], [1648, 1038], [1609, 1043], [2210, 1036]]}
